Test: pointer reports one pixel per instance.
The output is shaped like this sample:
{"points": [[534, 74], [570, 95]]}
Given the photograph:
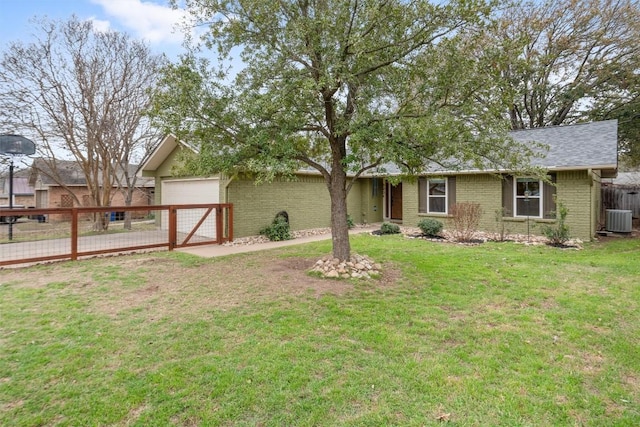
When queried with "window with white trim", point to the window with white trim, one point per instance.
{"points": [[437, 195], [528, 197]]}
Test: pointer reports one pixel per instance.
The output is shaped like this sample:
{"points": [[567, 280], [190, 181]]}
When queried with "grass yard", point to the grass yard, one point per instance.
{"points": [[499, 334]]}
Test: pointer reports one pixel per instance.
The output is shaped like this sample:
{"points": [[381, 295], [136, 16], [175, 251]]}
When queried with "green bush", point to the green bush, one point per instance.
{"points": [[389, 228], [430, 227], [350, 223], [278, 230], [558, 234]]}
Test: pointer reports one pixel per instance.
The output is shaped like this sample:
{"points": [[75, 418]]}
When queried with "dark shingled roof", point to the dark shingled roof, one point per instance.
{"points": [[626, 179], [589, 145], [570, 147], [70, 173]]}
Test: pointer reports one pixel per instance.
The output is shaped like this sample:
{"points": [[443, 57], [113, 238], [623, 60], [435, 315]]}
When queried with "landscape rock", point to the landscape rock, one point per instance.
{"points": [[331, 274], [359, 267], [480, 237]]}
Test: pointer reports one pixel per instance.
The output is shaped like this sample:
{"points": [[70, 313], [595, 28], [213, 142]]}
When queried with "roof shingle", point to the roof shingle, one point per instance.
{"points": [[588, 145]]}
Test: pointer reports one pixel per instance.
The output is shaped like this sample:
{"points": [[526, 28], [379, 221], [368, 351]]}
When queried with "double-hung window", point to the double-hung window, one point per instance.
{"points": [[528, 197], [437, 195]]}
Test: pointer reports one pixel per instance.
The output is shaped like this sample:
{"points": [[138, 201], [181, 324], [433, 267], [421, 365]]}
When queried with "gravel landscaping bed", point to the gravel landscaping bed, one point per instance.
{"points": [[415, 233]]}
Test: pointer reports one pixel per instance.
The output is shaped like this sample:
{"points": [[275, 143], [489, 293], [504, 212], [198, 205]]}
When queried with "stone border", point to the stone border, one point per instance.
{"points": [[360, 267]]}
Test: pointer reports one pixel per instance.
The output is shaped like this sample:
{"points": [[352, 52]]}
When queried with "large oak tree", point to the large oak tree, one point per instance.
{"points": [[344, 87], [566, 61]]}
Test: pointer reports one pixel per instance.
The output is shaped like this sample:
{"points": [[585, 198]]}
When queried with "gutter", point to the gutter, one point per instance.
{"points": [[477, 171], [226, 189]]}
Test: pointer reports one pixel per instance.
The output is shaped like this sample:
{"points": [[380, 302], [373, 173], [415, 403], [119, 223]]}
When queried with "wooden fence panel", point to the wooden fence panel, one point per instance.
{"points": [[623, 197]]}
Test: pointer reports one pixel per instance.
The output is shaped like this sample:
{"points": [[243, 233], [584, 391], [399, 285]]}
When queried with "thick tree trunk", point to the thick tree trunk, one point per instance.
{"points": [[106, 200], [127, 215], [339, 227]]}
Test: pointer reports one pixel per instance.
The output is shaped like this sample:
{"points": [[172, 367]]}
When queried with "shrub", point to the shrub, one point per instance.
{"points": [[502, 233], [558, 234], [278, 230], [389, 228], [350, 223], [430, 227], [465, 220]]}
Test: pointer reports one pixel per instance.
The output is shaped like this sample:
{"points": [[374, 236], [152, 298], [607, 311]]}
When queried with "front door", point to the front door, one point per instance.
{"points": [[393, 201]]}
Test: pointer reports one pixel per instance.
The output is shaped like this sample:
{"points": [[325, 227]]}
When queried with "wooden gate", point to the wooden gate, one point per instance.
{"points": [[205, 224]]}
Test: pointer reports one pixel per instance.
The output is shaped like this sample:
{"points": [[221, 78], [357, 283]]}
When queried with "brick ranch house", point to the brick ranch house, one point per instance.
{"points": [[75, 193], [578, 158]]}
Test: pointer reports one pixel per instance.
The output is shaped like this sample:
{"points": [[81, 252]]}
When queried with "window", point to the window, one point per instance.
{"points": [[541, 202], [528, 197], [437, 196]]}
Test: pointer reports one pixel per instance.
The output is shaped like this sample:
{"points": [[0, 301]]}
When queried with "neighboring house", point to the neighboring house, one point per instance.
{"points": [[23, 193], [50, 194], [579, 156], [623, 193]]}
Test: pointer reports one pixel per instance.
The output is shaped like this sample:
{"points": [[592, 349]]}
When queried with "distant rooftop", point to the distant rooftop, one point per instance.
{"points": [[21, 186], [626, 178]]}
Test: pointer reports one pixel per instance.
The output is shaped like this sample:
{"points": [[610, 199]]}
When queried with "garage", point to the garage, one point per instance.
{"points": [[191, 191]]}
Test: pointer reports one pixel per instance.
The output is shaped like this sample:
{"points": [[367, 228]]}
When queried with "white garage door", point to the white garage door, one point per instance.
{"points": [[191, 191], [185, 191]]}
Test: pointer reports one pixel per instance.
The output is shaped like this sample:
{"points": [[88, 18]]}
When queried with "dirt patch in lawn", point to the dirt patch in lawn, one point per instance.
{"points": [[163, 286]]}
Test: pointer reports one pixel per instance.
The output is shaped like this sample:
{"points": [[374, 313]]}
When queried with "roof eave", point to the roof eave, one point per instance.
{"points": [[608, 170], [160, 154]]}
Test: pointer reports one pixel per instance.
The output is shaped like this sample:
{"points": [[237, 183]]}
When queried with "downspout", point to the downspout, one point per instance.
{"points": [[592, 220], [592, 223], [226, 200], [226, 190]]}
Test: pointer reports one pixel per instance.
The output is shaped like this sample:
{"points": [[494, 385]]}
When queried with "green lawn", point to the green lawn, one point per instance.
{"points": [[495, 334]]}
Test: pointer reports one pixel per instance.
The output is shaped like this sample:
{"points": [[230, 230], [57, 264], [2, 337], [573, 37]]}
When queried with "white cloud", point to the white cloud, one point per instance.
{"points": [[147, 20], [100, 25]]}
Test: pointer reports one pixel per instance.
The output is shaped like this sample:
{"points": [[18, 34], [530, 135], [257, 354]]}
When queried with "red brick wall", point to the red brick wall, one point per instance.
{"points": [[140, 198], [26, 201]]}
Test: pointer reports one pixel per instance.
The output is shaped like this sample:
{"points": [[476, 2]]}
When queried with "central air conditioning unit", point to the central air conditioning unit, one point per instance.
{"points": [[618, 221]]}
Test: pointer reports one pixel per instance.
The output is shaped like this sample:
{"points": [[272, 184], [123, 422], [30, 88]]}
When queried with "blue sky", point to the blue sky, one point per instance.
{"points": [[150, 20]]}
